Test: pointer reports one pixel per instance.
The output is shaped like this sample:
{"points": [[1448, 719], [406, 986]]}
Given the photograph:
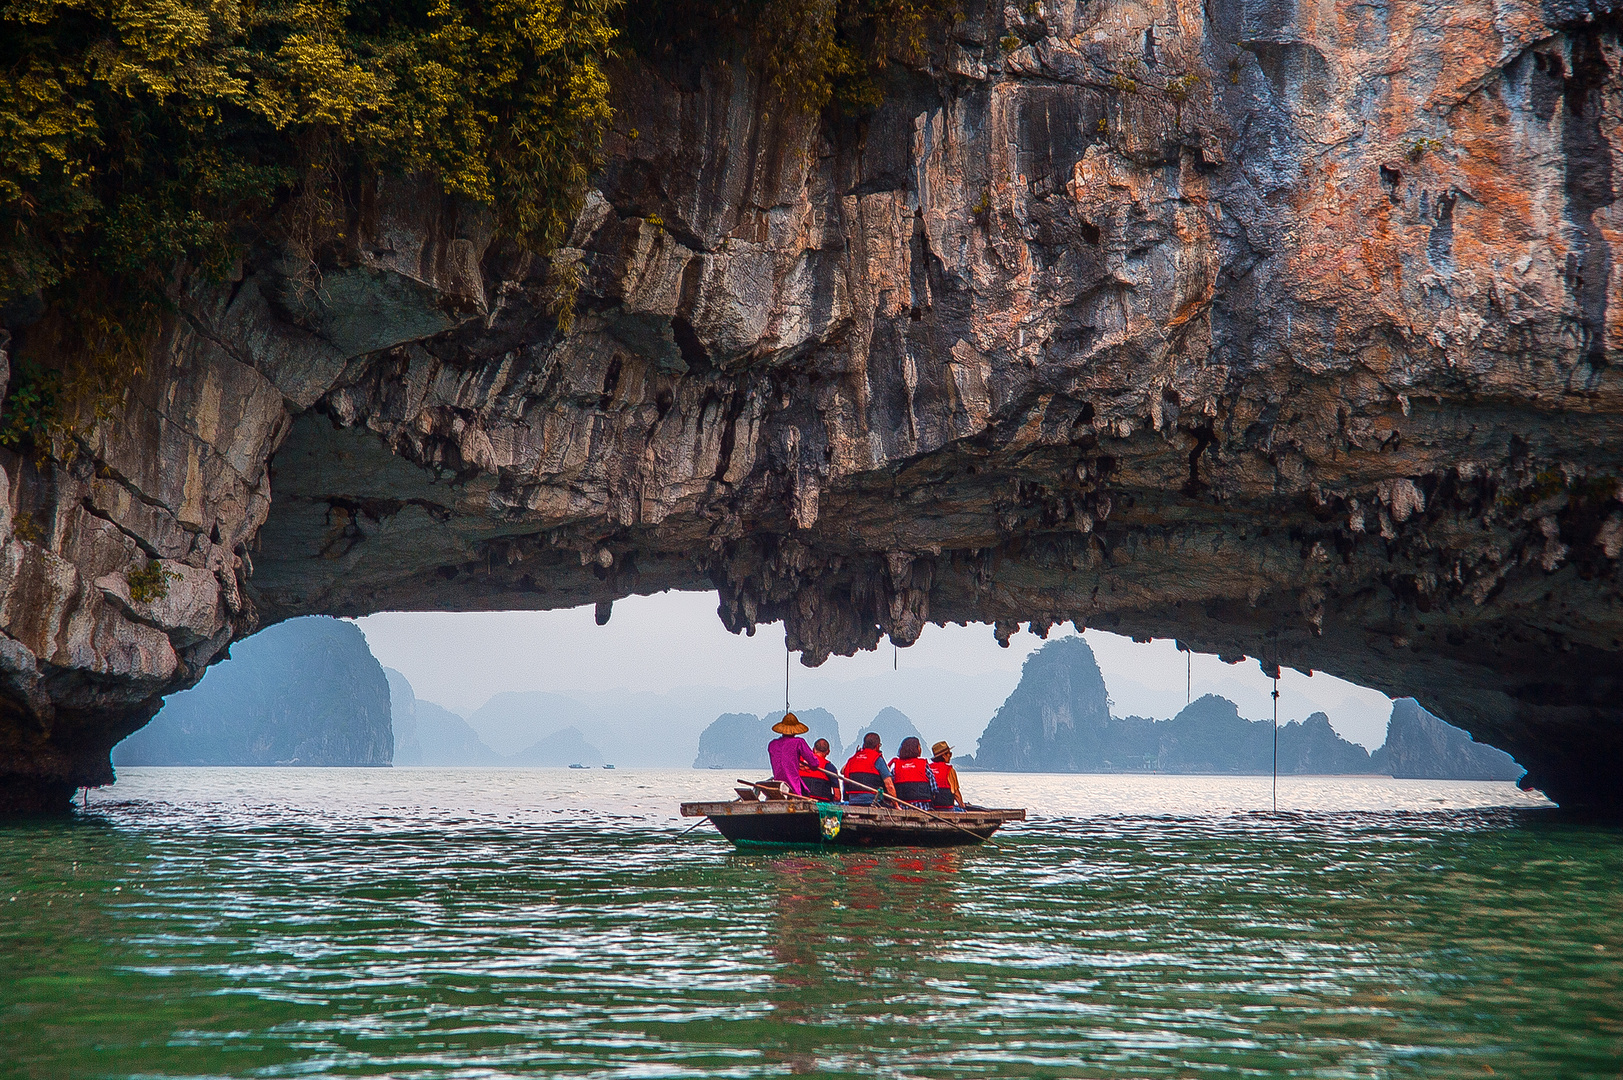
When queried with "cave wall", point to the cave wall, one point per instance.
{"points": [[1291, 330]]}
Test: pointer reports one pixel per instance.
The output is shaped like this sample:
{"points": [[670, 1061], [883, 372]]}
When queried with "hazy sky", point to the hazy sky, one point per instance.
{"points": [[660, 643]]}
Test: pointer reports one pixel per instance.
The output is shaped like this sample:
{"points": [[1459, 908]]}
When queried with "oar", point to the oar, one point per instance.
{"points": [[790, 794], [695, 825], [918, 809]]}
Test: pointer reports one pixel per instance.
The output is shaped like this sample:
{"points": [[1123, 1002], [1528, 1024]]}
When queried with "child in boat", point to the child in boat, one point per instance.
{"points": [[818, 781], [915, 783]]}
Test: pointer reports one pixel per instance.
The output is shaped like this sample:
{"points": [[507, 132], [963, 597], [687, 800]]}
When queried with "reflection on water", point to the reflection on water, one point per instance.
{"points": [[419, 923]]}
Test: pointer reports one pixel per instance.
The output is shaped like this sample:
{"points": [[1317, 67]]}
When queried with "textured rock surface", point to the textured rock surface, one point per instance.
{"points": [[1057, 718], [306, 692], [1288, 329]]}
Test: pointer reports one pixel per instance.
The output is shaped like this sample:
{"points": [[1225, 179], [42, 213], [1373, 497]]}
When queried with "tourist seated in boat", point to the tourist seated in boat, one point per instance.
{"points": [[948, 796], [867, 767], [818, 781], [788, 753], [914, 780]]}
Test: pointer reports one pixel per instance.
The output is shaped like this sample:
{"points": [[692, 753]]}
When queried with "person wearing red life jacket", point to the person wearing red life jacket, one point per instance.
{"points": [[915, 783], [867, 767], [818, 780], [948, 796]]}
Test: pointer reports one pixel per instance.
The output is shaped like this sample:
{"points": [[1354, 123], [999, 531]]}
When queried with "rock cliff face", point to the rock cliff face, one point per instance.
{"points": [[1289, 329], [1420, 746], [1058, 717], [893, 725], [306, 692]]}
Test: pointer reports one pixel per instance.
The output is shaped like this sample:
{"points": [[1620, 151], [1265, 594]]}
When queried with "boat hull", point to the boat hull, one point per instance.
{"points": [[784, 823]]}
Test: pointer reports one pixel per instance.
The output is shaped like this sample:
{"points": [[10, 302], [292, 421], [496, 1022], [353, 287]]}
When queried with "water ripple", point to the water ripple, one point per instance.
{"points": [[433, 924]]}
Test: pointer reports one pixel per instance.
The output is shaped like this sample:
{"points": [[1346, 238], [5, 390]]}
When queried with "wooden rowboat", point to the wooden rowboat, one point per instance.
{"points": [[747, 822]]}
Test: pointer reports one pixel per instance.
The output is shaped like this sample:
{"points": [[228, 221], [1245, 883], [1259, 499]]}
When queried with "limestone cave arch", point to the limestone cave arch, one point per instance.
{"points": [[1204, 360]]}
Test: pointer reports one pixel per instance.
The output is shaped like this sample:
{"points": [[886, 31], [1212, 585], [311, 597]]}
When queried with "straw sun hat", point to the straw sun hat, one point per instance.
{"points": [[790, 725], [940, 748]]}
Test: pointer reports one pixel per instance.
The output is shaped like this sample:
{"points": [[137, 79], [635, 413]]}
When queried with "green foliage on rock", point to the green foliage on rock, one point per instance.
{"points": [[139, 138], [31, 409], [149, 583]]}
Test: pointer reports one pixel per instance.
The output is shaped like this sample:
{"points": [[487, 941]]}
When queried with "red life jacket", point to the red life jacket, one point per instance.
{"points": [[861, 768], [817, 783], [942, 771], [913, 780]]}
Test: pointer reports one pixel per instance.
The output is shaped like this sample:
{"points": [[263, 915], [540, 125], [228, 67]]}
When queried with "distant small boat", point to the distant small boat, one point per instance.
{"points": [[797, 823], [608, 766], [577, 765]]}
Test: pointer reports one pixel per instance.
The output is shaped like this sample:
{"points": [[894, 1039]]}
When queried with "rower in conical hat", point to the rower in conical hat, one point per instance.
{"points": [[789, 751], [790, 725]]}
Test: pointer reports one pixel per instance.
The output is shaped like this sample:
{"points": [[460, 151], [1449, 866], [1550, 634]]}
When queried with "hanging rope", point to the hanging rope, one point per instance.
{"points": [[786, 672], [1276, 744], [1189, 679]]}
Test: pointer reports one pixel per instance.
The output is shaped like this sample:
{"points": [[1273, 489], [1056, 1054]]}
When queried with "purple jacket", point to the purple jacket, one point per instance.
{"points": [[786, 753]]}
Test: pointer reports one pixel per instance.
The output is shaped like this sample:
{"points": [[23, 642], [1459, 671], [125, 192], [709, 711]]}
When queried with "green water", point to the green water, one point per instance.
{"points": [[250, 931]]}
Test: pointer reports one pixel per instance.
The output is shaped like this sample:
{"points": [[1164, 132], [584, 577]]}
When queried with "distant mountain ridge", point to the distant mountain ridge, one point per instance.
{"points": [[428, 734], [893, 725], [562, 748], [738, 740], [660, 728], [1058, 720], [514, 721]]}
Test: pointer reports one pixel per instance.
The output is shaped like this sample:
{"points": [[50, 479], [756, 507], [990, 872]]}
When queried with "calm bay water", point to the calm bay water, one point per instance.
{"points": [[447, 923]]}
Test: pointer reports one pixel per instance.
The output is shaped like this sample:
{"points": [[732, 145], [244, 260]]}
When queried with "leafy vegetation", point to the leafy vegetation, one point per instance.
{"points": [[147, 142], [151, 582], [26, 529], [1182, 86], [31, 409], [1416, 149], [144, 139]]}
